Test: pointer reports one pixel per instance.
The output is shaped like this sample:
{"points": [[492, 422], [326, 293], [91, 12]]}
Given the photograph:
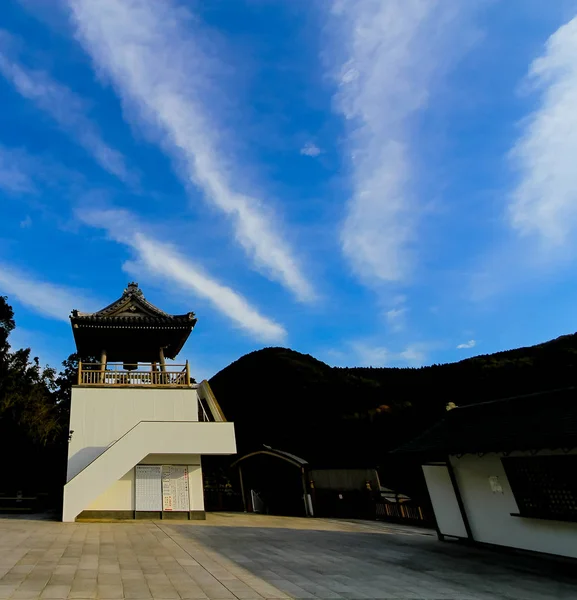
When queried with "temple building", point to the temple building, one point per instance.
{"points": [[139, 425]]}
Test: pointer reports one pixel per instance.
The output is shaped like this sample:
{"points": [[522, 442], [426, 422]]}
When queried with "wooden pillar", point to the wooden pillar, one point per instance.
{"points": [[102, 365], [162, 374], [79, 372], [242, 488], [305, 493]]}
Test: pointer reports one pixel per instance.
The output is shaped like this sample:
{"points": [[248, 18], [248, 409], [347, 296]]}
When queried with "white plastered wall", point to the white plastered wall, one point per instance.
{"points": [[489, 513], [99, 416], [120, 495], [444, 500]]}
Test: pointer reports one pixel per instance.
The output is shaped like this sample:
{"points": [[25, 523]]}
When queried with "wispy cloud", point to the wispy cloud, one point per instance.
{"points": [[396, 318], [393, 50], [366, 354], [65, 107], [466, 345], [310, 149], [47, 299], [165, 262], [14, 171], [159, 69], [545, 201]]}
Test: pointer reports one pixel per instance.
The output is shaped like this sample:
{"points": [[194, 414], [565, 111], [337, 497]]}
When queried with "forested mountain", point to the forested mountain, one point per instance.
{"points": [[356, 415]]}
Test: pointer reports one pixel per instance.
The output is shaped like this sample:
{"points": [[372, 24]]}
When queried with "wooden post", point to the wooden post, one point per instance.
{"points": [[242, 488], [79, 372], [162, 366], [187, 373], [305, 494], [102, 365]]}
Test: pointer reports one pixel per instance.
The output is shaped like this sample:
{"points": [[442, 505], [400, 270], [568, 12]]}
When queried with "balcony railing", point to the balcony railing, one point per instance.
{"points": [[117, 374]]}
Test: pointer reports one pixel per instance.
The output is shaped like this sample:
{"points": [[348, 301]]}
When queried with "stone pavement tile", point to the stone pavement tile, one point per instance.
{"points": [[247, 595], [61, 580], [25, 594], [7, 590], [193, 594], [132, 575], [55, 591], [109, 591], [109, 579], [163, 591], [19, 567], [136, 589], [83, 588]]}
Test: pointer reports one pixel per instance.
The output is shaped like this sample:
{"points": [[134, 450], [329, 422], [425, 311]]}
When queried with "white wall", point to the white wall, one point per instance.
{"points": [[121, 494], [100, 416], [489, 513], [171, 459], [148, 437], [444, 501], [195, 487]]}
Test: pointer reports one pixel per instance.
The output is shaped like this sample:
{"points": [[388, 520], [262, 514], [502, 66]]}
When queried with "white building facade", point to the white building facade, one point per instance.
{"points": [[139, 429], [509, 475]]}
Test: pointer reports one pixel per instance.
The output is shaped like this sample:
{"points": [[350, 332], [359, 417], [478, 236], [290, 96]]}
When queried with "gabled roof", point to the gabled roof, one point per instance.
{"points": [[131, 330], [133, 307], [541, 421]]}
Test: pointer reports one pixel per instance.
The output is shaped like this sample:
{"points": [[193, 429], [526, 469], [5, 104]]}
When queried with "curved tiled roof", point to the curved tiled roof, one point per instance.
{"points": [[131, 307], [540, 421], [131, 329]]}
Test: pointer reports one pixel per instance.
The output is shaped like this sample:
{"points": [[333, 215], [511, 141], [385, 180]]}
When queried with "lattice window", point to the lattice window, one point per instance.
{"points": [[544, 486]]}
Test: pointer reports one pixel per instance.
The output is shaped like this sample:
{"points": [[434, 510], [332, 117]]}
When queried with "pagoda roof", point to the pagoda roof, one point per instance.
{"points": [[131, 328]]}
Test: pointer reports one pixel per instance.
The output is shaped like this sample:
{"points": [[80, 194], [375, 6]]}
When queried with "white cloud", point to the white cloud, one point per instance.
{"points": [[159, 70], [14, 172], [310, 149], [393, 51], [545, 201], [396, 318], [469, 344], [47, 299], [164, 262], [374, 355], [63, 106]]}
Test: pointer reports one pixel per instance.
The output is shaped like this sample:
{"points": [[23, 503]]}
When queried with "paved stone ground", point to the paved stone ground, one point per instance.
{"points": [[252, 557]]}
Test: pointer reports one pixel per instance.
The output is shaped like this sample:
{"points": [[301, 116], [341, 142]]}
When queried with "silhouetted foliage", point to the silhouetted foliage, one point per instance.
{"points": [[33, 419]]}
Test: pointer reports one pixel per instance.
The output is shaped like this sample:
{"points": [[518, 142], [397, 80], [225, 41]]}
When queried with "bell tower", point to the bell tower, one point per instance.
{"points": [[139, 424]]}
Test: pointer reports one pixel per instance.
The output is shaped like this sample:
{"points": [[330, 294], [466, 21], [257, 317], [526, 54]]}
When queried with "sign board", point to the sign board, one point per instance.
{"points": [[496, 487], [148, 488], [175, 488]]}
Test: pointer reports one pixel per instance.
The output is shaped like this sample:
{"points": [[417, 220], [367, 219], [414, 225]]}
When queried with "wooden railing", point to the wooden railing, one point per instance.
{"points": [[117, 374], [399, 511]]}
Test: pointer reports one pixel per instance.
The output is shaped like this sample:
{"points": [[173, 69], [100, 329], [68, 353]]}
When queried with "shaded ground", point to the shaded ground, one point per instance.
{"points": [[253, 556]]}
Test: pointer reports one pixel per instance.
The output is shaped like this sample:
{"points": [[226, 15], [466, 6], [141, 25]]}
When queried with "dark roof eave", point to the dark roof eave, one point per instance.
{"points": [[187, 320]]}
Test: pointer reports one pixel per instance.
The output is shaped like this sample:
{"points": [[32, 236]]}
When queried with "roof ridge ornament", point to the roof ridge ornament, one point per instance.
{"points": [[132, 288]]}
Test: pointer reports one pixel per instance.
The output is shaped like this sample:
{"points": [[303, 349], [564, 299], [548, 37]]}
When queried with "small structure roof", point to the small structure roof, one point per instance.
{"points": [[545, 420], [131, 329], [292, 458]]}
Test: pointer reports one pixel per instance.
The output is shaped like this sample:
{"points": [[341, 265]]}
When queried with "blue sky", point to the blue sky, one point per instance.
{"points": [[374, 182]]}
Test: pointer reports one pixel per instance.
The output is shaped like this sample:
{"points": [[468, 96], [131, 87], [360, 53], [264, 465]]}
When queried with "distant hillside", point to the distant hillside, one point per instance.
{"points": [[335, 415]]}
